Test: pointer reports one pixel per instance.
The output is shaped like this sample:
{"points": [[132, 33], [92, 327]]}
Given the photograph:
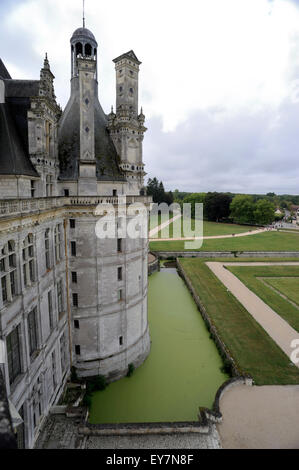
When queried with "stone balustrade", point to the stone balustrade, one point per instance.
{"points": [[11, 207]]}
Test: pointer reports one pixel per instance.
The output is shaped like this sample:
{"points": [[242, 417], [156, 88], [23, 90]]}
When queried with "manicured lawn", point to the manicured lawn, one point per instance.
{"points": [[158, 219], [250, 275], [251, 347], [209, 229], [266, 241], [287, 286]]}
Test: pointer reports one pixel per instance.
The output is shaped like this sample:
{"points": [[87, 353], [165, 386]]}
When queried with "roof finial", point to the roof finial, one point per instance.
{"points": [[83, 13]]}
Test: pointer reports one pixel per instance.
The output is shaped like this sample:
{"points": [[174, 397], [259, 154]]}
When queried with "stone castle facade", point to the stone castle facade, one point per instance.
{"points": [[67, 297]]}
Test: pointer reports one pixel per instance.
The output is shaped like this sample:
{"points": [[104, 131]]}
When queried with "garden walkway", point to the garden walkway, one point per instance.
{"points": [[259, 417], [276, 327], [244, 234]]}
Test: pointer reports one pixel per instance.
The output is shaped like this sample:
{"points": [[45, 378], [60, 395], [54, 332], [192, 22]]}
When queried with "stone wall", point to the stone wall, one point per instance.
{"points": [[226, 254], [7, 437], [154, 264]]}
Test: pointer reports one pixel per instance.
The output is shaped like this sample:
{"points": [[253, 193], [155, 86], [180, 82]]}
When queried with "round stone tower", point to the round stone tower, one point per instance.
{"points": [[107, 276]]}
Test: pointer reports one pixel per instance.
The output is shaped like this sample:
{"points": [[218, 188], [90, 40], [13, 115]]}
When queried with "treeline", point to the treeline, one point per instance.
{"points": [[240, 208], [253, 209], [155, 188]]}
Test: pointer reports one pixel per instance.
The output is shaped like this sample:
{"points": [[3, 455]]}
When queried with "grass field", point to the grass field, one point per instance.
{"points": [[209, 229], [251, 347], [287, 286], [250, 277], [158, 219], [266, 241]]}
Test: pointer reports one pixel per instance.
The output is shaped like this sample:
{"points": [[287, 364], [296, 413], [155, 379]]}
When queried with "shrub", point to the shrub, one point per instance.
{"points": [[87, 400], [131, 369], [74, 377], [227, 367], [95, 384]]}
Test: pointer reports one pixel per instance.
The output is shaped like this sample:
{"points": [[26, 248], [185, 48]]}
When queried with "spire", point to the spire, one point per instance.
{"points": [[46, 62], [83, 13]]}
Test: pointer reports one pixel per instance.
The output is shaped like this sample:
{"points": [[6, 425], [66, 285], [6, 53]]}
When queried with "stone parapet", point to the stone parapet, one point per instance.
{"points": [[15, 207]]}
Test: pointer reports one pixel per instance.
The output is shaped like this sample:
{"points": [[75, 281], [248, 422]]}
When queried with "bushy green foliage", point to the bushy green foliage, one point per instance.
{"points": [[227, 367], [95, 384], [131, 369], [155, 188], [87, 400], [245, 210], [74, 377]]}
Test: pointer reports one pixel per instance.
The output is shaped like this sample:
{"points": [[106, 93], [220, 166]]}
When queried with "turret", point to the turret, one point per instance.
{"points": [[83, 45], [126, 127]]}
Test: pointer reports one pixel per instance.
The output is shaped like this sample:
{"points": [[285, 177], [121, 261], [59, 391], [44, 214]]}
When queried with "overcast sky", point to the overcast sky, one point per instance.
{"points": [[219, 81]]}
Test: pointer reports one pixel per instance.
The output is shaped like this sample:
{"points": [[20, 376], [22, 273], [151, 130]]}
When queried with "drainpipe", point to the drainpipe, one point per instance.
{"points": [[68, 291]]}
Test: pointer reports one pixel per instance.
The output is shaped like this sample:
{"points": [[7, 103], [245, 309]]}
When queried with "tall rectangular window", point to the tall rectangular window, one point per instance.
{"points": [[78, 349], [120, 294], [54, 370], [50, 308], [119, 245], [119, 274], [13, 354], [47, 249], [32, 188], [74, 277], [72, 223], [32, 331], [4, 289], [75, 300], [49, 185], [73, 249], [28, 260], [63, 352], [58, 242], [59, 297]]}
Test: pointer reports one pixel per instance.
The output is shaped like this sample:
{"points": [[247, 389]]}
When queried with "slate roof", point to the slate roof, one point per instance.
{"points": [[14, 152], [21, 88], [3, 71], [82, 34], [13, 157], [107, 160], [128, 55]]}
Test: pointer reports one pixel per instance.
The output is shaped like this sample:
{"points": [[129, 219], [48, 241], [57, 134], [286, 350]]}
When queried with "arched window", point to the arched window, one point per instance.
{"points": [[47, 249], [28, 260], [8, 271], [79, 48], [88, 50]]}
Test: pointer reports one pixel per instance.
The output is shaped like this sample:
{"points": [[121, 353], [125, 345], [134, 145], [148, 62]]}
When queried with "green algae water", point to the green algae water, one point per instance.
{"points": [[182, 371]]}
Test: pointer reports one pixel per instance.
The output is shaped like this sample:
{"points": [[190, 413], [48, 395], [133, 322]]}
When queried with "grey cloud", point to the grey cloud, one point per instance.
{"points": [[242, 153]]}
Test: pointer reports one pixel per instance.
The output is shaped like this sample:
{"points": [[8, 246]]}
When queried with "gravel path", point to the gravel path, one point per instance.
{"points": [[160, 227], [244, 234], [260, 417], [279, 330]]}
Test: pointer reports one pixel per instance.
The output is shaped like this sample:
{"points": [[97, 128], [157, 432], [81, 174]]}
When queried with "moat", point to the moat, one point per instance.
{"points": [[182, 371]]}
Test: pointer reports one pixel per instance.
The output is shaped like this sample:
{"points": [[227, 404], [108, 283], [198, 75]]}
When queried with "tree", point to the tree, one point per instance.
{"points": [[242, 209], [217, 206], [264, 212], [193, 199], [156, 189]]}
